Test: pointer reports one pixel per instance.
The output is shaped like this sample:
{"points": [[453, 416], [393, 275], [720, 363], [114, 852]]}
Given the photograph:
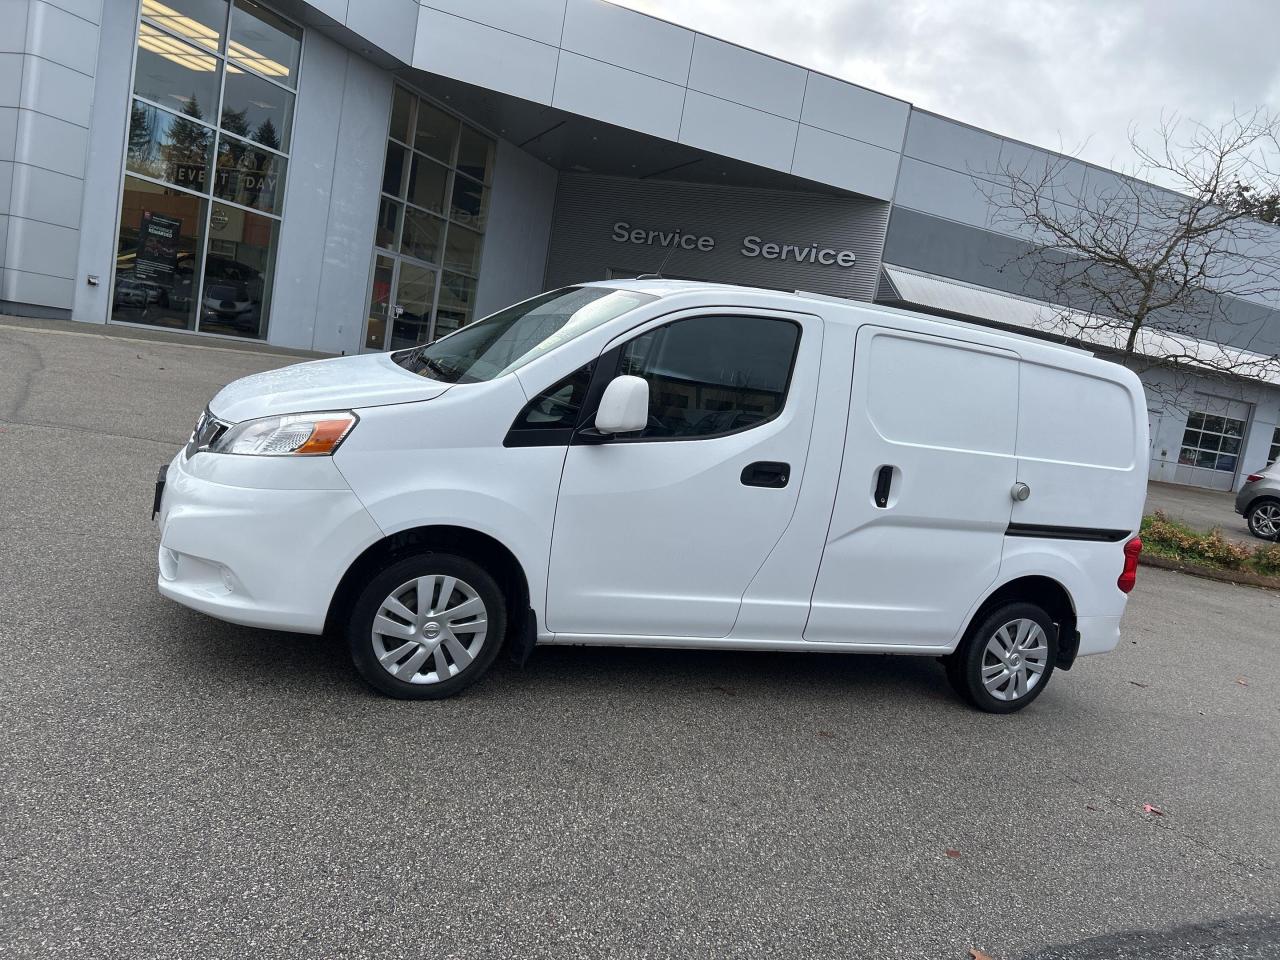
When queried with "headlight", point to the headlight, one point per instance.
{"points": [[297, 434]]}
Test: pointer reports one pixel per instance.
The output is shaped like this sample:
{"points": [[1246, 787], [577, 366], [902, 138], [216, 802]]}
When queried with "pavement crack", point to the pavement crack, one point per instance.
{"points": [[167, 441]]}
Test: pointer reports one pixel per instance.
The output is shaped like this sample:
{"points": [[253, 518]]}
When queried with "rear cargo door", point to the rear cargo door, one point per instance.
{"points": [[924, 499], [1079, 455]]}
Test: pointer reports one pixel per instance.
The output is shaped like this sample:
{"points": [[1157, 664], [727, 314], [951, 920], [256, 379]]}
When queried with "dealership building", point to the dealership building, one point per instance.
{"points": [[362, 175]]}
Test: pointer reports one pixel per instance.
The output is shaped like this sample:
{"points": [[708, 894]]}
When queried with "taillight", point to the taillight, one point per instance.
{"points": [[1253, 478], [1130, 574]]}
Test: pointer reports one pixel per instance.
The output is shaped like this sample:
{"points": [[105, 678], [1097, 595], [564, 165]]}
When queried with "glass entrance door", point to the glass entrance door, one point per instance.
{"points": [[401, 299]]}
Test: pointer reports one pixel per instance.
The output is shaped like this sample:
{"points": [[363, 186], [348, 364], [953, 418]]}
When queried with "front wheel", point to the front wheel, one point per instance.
{"points": [[1005, 659], [1264, 519], [427, 626]]}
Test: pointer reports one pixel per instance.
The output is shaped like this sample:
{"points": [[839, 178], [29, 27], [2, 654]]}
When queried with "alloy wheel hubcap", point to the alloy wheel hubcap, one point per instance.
{"points": [[429, 629], [1015, 659], [1266, 520]]}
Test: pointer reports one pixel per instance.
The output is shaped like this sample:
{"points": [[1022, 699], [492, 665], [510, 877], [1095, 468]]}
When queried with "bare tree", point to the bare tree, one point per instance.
{"points": [[1160, 274]]}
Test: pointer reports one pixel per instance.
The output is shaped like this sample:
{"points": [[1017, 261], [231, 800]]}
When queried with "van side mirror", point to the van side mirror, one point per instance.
{"points": [[624, 408]]}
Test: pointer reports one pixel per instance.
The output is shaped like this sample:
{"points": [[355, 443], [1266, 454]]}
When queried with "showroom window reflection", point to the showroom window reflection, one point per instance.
{"points": [[431, 219], [205, 165]]}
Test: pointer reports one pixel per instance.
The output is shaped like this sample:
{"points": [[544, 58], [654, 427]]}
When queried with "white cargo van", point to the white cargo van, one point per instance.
{"points": [[672, 464]]}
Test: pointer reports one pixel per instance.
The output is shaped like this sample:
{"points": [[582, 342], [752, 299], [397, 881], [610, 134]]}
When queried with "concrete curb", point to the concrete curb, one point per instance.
{"points": [[1242, 577]]}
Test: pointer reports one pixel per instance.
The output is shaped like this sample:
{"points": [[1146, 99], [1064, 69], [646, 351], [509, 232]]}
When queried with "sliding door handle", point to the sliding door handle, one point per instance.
{"points": [[884, 483], [766, 473]]}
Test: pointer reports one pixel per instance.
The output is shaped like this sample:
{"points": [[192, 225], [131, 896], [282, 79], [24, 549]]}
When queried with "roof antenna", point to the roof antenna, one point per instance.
{"points": [[662, 266]]}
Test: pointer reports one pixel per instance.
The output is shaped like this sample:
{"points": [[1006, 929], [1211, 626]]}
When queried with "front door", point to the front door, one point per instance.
{"points": [[401, 302], [924, 498], [659, 533]]}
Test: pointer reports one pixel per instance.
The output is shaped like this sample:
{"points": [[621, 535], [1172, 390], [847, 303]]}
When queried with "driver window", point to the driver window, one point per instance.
{"points": [[710, 376]]}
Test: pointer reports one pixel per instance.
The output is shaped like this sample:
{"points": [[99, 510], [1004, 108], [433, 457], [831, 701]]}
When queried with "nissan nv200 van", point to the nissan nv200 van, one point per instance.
{"points": [[674, 464]]}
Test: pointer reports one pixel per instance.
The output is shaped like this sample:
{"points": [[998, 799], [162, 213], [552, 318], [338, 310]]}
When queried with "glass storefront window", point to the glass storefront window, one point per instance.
{"points": [[462, 252], [206, 162], [257, 110], [176, 75], [167, 147], [437, 133], [427, 180], [430, 231], [200, 21], [264, 42], [401, 114], [457, 300], [157, 249], [470, 202], [237, 271], [422, 234], [393, 171], [415, 295], [389, 213], [249, 176], [475, 155]]}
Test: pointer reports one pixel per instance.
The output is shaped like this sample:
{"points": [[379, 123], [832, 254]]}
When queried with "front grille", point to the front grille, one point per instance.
{"points": [[208, 429]]}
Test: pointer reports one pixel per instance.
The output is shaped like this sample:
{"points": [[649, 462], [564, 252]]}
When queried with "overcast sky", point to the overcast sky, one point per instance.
{"points": [[1064, 74]]}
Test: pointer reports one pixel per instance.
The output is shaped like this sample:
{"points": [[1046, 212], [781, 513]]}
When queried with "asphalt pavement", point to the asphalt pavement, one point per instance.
{"points": [[179, 787], [1202, 510]]}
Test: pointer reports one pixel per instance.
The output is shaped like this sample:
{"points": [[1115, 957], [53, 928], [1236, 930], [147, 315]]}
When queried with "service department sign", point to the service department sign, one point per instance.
{"points": [[615, 226], [750, 246]]}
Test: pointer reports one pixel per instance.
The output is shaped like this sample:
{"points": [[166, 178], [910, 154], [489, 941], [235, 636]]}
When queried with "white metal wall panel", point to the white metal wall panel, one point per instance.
{"points": [[830, 158], [628, 39], [539, 20], [744, 76], [855, 112], [485, 56], [737, 131], [633, 100]]}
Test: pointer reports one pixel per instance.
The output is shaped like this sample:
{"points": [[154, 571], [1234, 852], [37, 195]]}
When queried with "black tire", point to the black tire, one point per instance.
{"points": [[965, 666], [1252, 517], [363, 644]]}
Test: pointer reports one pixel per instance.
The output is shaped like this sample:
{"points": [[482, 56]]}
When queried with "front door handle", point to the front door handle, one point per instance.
{"points": [[766, 473]]}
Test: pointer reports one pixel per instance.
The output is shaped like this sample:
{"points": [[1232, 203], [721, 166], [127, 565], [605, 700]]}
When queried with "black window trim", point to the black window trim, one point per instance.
{"points": [[607, 365], [553, 436], [611, 362]]}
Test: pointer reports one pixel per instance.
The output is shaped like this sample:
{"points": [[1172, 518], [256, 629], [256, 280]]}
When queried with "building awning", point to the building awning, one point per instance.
{"points": [[913, 289]]}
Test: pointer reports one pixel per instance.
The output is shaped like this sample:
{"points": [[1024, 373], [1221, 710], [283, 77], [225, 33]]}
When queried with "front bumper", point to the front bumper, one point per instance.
{"points": [[259, 541]]}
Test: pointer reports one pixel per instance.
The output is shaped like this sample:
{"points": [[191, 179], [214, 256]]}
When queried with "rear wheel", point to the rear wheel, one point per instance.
{"points": [[427, 626], [1005, 659], [1264, 519]]}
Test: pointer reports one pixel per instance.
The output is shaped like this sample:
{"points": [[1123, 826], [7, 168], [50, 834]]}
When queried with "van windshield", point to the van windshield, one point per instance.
{"points": [[511, 338]]}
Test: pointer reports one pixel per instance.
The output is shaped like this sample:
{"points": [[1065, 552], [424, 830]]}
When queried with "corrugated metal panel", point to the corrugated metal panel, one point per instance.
{"points": [[589, 210]]}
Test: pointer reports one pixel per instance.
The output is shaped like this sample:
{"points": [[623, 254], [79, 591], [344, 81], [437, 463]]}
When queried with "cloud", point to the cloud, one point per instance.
{"points": [[1071, 76]]}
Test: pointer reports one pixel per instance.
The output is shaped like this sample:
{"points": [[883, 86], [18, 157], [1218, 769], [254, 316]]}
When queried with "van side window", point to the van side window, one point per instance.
{"points": [[710, 376], [549, 418]]}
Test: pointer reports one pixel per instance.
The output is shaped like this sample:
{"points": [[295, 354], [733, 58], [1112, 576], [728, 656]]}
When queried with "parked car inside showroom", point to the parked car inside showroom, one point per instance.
{"points": [[674, 464], [1258, 501]]}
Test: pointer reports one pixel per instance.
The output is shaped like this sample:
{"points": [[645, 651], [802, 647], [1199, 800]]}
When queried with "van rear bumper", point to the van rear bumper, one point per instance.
{"points": [[1097, 634]]}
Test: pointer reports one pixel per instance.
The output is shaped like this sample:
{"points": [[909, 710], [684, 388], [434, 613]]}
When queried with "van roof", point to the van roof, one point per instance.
{"points": [[667, 288]]}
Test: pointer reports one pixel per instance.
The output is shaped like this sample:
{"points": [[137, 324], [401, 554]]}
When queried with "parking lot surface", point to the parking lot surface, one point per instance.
{"points": [[176, 786], [1201, 510]]}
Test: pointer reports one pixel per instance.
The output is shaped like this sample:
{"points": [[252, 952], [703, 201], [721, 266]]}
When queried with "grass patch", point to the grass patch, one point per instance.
{"points": [[1166, 537]]}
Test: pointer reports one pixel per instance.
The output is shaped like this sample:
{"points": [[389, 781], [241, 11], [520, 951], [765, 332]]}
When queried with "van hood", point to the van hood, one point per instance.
{"points": [[343, 383]]}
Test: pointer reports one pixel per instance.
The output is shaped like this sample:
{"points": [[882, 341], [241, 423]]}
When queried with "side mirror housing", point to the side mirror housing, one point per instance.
{"points": [[624, 408]]}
